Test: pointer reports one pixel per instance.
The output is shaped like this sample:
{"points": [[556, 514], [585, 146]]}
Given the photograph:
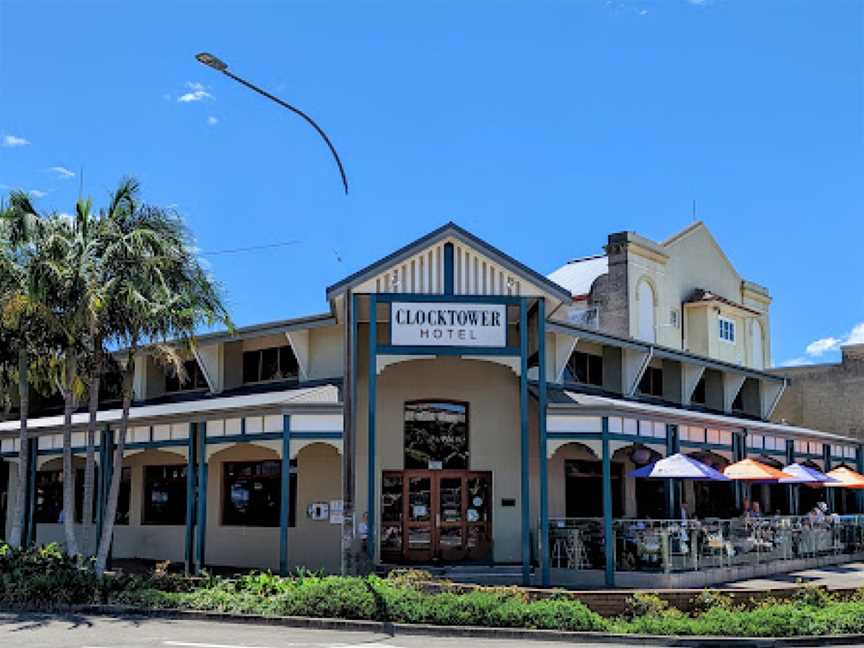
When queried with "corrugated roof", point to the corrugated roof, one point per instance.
{"points": [[578, 275]]}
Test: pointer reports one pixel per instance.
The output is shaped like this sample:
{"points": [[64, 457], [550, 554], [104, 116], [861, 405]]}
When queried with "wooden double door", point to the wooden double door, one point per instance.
{"points": [[430, 516]]}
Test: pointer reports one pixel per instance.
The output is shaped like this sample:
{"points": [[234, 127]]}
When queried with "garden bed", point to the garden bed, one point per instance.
{"points": [[44, 579]]}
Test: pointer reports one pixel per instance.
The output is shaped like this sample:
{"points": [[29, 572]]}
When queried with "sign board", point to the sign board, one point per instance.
{"points": [[448, 324]]}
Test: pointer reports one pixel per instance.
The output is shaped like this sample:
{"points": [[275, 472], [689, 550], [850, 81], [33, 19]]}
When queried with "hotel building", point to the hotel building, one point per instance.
{"points": [[453, 406]]}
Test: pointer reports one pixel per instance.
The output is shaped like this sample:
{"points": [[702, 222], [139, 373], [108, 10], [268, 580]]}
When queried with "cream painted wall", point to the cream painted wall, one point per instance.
{"points": [[492, 393], [326, 352]]}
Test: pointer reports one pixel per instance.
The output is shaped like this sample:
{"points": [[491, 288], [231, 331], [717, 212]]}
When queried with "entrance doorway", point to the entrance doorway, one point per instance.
{"points": [[436, 516]]}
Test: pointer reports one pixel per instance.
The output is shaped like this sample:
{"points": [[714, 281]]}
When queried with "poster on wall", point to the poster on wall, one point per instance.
{"points": [[336, 512], [448, 324]]}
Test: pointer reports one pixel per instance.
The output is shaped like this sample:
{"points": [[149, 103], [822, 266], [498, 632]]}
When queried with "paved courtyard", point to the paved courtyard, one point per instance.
{"points": [[850, 575]]}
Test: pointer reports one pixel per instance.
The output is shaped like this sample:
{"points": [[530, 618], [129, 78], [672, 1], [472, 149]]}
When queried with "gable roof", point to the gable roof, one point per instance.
{"points": [[700, 226], [449, 230]]}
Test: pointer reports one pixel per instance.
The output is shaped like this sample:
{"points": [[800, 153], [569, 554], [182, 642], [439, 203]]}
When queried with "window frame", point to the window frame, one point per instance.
{"points": [[279, 358], [730, 327], [587, 358], [466, 411], [146, 512]]}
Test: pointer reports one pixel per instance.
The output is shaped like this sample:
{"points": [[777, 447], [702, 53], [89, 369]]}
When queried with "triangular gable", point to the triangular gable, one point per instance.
{"points": [[689, 233], [478, 269]]}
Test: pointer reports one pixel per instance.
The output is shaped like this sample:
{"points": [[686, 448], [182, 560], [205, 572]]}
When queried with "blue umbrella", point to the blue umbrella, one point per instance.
{"points": [[804, 475], [679, 466]]}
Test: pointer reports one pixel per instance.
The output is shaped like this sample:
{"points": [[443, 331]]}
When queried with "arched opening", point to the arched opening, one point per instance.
{"points": [[646, 301], [710, 499], [642, 498], [757, 354]]}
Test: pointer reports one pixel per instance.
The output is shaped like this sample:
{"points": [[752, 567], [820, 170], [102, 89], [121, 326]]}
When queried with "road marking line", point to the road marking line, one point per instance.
{"points": [[189, 644]]}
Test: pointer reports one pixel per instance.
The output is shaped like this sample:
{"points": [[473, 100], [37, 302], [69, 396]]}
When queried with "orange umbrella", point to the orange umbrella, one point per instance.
{"points": [[751, 470], [846, 478]]}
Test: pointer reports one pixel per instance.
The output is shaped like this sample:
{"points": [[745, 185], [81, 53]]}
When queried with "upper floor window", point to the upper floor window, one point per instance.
{"points": [[652, 382], [727, 329], [585, 368], [274, 363], [194, 378], [698, 396]]}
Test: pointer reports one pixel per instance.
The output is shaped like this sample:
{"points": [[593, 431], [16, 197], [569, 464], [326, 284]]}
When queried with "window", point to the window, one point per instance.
{"points": [[652, 382], [274, 363], [164, 495], [125, 496], [738, 403], [194, 378], [584, 368], [436, 435], [252, 492], [49, 496], [727, 329]]}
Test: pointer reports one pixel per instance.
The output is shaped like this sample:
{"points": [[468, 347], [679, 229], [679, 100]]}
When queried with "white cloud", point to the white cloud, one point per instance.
{"points": [[197, 92], [212, 120], [11, 141], [62, 172], [821, 346], [818, 348], [643, 12], [37, 194]]}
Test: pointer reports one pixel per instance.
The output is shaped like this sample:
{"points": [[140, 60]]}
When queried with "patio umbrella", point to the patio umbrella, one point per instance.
{"points": [[753, 471], [845, 478], [805, 475], [679, 466]]}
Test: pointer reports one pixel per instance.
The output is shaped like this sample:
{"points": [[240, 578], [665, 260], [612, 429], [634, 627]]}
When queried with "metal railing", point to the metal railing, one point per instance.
{"points": [[668, 546]]}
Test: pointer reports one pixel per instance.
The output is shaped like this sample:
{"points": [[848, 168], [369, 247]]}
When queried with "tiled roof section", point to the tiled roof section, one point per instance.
{"points": [[578, 275], [703, 295]]}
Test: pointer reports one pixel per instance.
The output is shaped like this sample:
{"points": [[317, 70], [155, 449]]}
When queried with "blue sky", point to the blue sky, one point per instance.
{"points": [[540, 126]]}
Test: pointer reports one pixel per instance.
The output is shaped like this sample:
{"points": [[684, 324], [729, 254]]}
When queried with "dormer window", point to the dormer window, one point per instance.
{"points": [[727, 329], [194, 378], [273, 363], [585, 368], [651, 383]]}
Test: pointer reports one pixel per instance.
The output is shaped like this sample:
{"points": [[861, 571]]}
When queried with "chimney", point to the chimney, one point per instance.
{"points": [[852, 353]]}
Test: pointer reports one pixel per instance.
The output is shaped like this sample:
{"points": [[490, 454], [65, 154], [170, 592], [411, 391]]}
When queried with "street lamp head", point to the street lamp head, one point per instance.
{"points": [[211, 61]]}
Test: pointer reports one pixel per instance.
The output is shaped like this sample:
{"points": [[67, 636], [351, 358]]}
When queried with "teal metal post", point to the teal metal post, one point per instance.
{"points": [[829, 492], [523, 436], [669, 485], [739, 452], [608, 533], [189, 544], [285, 503], [372, 401], [791, 491], [201, 461], [545, 576], [859, 466]]}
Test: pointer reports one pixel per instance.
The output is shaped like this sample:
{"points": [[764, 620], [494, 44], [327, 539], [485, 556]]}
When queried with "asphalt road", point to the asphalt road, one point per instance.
{"points": [[71, 631]]}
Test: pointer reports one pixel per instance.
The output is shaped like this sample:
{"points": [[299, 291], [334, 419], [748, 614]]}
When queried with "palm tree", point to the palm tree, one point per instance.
{"points": [[20, 235], [159, 292]]}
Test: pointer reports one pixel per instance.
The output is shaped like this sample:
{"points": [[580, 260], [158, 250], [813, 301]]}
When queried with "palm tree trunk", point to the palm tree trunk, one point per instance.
{"points": [[68, 470], [21, 487], [110, 512], [90, 466]]}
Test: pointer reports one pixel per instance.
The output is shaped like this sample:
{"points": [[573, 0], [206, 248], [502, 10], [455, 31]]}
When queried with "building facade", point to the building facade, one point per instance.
{"points": [[447, 409], [828, 394]]}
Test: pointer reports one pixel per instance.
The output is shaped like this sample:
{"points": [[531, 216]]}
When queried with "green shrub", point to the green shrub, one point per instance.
{"points": [[813, 596], [708, 600], [44, 578], [641, 604]]}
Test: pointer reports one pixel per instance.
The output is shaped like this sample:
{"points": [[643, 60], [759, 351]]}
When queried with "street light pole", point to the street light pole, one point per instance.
{"points": [[220, 66]]}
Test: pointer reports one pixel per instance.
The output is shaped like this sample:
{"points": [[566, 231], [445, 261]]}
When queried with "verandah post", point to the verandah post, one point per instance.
{"points": [[541, 433], [188, 549], [831, 500], [523, 435], [372, 397], [608, 534], [859, 466], [791, 492], [285, 502], [201, 536]]}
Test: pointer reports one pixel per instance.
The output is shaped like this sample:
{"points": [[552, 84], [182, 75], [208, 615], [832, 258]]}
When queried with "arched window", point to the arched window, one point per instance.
{"points": [[757, 353], [645, 299]]}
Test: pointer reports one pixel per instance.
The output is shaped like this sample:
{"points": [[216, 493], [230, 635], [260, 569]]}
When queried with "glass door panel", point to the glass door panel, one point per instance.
{"points": [[419, 536], [451, 517], [392, 516]]}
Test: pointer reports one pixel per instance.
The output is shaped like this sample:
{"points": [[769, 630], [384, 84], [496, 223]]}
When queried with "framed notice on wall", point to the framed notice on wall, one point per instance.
{"points": [[448, 324]]}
